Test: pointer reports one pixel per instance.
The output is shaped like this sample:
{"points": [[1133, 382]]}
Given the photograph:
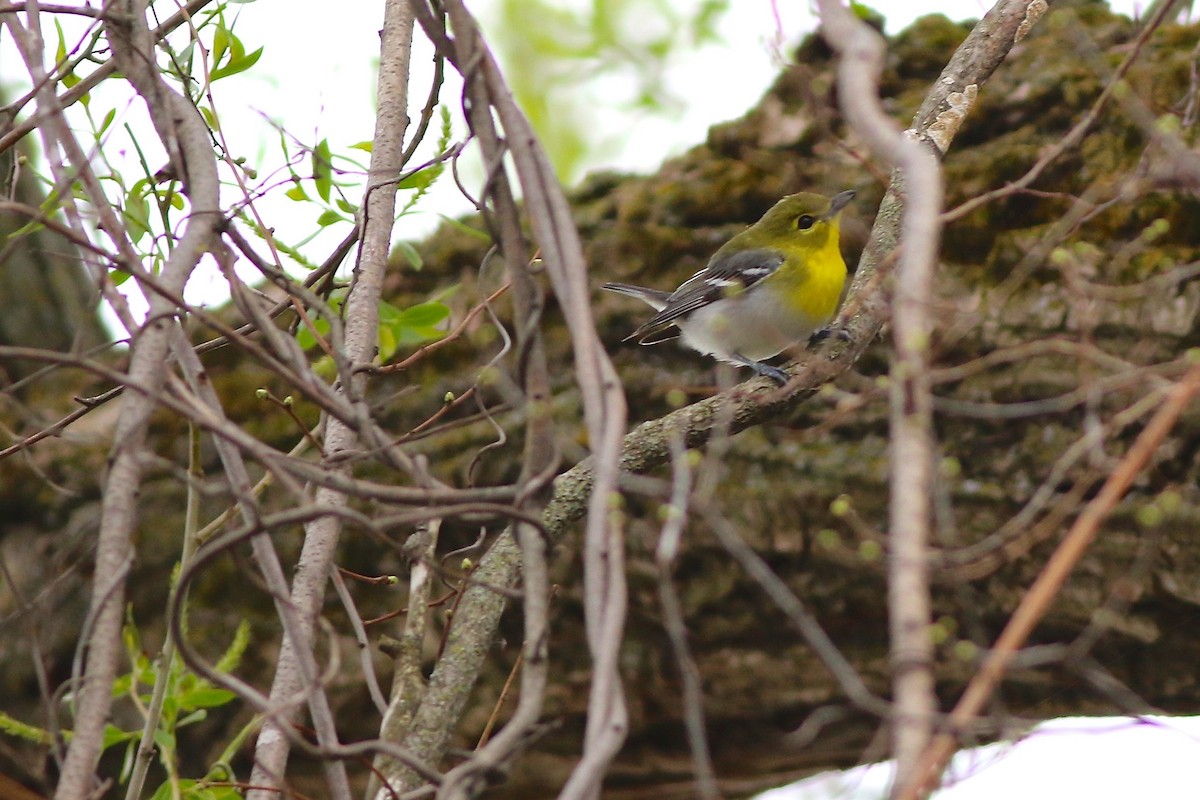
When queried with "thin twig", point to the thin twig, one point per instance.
{"points": [[1035, 602]]}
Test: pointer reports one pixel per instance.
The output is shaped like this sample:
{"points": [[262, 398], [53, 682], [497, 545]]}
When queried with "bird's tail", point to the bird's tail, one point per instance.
{"points": [[654, 298]]}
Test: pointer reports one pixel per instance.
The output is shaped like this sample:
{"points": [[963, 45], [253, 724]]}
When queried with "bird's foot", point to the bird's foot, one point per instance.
{"points": [[838, 333], [766, 370]]}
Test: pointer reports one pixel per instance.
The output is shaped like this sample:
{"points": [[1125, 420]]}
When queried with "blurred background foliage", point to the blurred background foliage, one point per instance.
{"points": [[562, 58]]}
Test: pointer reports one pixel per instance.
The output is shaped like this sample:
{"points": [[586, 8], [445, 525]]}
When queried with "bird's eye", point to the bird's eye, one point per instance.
{"points": [[805, 222]]}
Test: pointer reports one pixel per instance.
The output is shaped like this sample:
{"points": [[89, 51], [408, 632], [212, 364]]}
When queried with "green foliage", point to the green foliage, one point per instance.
{"points": [[334, 175], [420, 181], [186, 702], [229, 56], [398, 327], [865, 12], [20, 730], [70, 79], [322, 169], [411, 326], [547, 50], [196, 790]]}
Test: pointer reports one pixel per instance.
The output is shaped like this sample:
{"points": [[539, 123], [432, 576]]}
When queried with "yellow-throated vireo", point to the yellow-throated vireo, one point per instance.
{"points": [[774, 284]]}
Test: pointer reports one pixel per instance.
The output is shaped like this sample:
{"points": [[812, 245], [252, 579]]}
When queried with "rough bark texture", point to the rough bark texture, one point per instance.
{"points": [[809, 494]]}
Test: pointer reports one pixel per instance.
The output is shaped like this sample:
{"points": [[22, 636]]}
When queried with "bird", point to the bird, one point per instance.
{"points": [[770, 286]]}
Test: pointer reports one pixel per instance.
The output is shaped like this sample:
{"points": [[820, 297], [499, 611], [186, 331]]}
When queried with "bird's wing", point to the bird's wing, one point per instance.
{"points": [[722, 276]]}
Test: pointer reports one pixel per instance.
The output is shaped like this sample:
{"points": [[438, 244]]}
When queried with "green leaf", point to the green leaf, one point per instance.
{"points": [[416, 336], [237, 648], [346, 205], [137, 217], [60, 57], [424, 314], [410, 326], [388, 313], [387, 343], [114, 735], [60, 53], [220, 42], [239, 62], [210, 118], [410, 253], [108, 120], [328, 218], [205, 698], [325, 368], [27, 228], [165, 740], [198, 791], [865, 12], [421, 179], [366, 146], [130, 635], [291, 251], [122, 685], [483, 236], [201, 792], [305, 337], [296, 193], [192, 718], [181, 64], [218, 793], [322, 167]]}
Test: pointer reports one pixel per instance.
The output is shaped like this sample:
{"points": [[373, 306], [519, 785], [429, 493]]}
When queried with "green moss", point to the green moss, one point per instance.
{"points": [[921, 51]]}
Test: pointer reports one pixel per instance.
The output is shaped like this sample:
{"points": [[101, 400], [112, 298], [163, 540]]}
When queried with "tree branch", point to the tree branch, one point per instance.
{"points": [[361, 334], [185, 137]]}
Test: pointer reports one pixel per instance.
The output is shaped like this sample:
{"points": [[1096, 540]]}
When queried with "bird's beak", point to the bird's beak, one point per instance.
{"points": [[839, 202]]}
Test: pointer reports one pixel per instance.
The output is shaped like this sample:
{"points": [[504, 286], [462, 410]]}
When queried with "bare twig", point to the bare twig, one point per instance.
{"points": [[87, 84], [604, 412], [429, 727], [664, 557], [269, 564], [1038, 598], [911, 450]]}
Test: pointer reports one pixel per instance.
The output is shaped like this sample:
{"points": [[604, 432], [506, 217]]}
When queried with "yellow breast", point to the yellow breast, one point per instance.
{"points": [[812, 281]]}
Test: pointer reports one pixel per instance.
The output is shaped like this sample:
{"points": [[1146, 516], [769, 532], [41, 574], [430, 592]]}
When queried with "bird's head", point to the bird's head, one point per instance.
{"points": [[804, 219]]}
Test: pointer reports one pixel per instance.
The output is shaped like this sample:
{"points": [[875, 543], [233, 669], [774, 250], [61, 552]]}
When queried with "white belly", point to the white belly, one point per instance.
{"points": [[764, 327]]}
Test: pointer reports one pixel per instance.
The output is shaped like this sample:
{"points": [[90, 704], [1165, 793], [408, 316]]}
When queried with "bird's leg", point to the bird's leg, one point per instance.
{"points": [[766, 370]]}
